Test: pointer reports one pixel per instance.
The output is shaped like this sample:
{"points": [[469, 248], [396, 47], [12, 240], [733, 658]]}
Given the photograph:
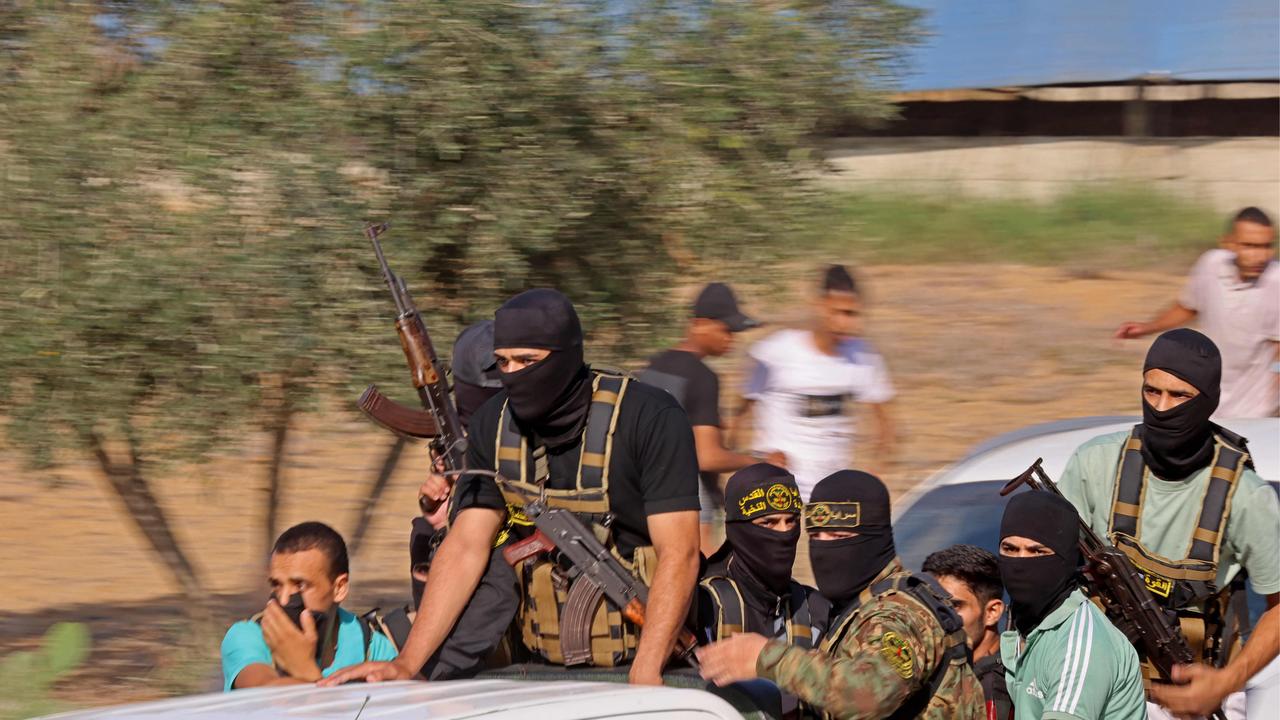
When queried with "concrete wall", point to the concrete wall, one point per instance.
{"points": [[1227, 173]]}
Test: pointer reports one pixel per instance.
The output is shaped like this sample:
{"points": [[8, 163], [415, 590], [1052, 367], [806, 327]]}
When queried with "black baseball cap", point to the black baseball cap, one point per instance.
{"points": [[473, 360], [716, 302]]}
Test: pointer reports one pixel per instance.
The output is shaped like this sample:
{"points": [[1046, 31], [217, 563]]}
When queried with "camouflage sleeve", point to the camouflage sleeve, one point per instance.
{"points": [[878, 665]]}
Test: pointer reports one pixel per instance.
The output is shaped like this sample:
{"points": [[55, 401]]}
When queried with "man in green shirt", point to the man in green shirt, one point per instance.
{"points": [[1179, 495], [1064, 660]]}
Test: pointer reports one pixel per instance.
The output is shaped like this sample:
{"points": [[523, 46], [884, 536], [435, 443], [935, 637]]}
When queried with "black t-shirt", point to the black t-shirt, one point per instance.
{"points": [[694, 385], [653, 468], [990, 672]]}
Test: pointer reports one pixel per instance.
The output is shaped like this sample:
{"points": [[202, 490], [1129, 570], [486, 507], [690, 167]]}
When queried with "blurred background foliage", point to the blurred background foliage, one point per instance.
{"points": [[183, 185]]}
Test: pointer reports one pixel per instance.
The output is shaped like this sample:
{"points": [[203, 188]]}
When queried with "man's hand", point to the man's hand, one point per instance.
{"points": [[732, 660], [434, 493], [368, 672], [776, 457], [644, 676], [292, 649], [1131, 330], [1203, 690]]}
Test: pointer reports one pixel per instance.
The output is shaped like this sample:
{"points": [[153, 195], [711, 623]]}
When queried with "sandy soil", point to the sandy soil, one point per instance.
{"points": [[974, 351]]}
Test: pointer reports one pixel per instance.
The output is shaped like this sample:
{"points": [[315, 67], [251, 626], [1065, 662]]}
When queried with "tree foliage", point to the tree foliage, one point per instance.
{"points": [[183, 185]]}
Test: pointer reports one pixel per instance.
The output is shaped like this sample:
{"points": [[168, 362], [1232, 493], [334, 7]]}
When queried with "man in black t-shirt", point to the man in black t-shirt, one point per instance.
{"points": [[681, 372], [548, 399]]}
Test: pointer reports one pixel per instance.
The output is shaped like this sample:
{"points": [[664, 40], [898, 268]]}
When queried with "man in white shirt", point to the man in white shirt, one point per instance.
{"points": [[1234, 291], [802, 382]]}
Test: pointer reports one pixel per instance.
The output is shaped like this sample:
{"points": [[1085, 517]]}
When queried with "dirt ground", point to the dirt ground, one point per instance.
{"points": [[974, 350]]}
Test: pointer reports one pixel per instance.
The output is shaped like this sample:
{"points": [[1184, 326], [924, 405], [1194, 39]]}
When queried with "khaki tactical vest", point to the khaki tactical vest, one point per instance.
{"points": [[924, 589], [731, 611], [563, 618], [1212, 618]]}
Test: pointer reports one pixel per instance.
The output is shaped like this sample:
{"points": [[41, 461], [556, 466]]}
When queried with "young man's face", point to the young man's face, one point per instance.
{"points": [[306, 572], [515, 359], [979, 618], [712, 336], [1165, 391], [1254, 246], [1020, 547], [840, 314], [778, 522]]}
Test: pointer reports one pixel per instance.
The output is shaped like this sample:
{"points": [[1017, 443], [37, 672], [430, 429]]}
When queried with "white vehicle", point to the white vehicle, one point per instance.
{"points": [[962, 503], [406, 700]]}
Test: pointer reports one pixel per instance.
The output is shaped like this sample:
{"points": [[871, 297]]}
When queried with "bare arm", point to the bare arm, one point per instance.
{"points": [[259, 675], [712, 455], [675, 540], [455, 572], [1175, 316], [886, 435], [1206, 687]]}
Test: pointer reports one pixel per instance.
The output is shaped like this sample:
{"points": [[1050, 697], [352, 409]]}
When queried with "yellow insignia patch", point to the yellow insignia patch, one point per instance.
{"points": [[780, 497], [516, 516], [897, 653]]}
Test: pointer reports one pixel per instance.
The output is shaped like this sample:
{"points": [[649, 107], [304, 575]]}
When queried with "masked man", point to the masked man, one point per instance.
{"points": [[1178, 494], [618, 454], [1065, 661], [894, 647]]}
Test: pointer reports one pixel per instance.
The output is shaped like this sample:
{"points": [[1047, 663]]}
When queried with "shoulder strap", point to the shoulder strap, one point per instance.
{"points": [[799, 617], [602, 421], [1131, 486], [510, 456], [1228, 464], [366, 630], [729, 604]]}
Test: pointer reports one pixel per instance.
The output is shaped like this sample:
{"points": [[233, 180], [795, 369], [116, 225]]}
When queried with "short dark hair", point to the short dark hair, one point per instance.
{"points": [[838, 279], [971, 565], [315, 536], [1253, 215]]}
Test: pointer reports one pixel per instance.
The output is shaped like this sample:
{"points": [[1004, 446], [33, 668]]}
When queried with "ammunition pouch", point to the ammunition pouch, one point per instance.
{"points": [[730, 608], [1209, 616], [564, 617]]}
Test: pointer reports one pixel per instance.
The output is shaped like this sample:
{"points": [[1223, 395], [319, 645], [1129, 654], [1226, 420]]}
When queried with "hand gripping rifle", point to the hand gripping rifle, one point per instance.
{"points": [[438, 421], [595, 572], [1111, 576]]}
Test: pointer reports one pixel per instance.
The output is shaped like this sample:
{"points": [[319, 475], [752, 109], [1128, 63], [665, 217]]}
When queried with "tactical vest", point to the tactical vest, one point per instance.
{"points": [[564, 619], [731, 611], [1209, 615], [924, 589]]}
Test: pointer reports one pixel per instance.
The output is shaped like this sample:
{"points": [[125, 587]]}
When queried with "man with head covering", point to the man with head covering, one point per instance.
{"points": [[894, 647], [1064, 660], [618, 454], [475, 370], [1178, 494], [747, 586]]}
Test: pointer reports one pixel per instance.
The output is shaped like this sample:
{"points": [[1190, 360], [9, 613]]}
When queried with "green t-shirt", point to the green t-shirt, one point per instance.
{"points": [[1074, 666], [1170, 510]]}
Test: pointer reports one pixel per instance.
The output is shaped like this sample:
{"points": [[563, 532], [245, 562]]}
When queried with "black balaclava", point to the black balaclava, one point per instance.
{"points": [[761, 558], [1179, 441], [550, 398], [421, 546], [849, 500], [1038, 585]]}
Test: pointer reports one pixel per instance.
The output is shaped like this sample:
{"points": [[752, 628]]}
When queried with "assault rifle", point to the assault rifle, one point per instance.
{"points": [[1111, 576], [595, 572], [438, 421]]}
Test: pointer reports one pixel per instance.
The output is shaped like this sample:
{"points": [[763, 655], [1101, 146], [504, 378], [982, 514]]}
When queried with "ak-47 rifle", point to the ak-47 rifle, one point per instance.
{"points": [[595, 572], [438, 421], [1112, 577]]}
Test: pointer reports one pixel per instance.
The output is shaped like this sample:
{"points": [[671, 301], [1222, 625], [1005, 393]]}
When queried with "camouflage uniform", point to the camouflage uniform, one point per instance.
{"points": [[880, 667]]}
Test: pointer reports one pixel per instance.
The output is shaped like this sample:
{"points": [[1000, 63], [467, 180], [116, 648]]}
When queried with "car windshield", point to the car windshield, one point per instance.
{"points": [[969, 513]]}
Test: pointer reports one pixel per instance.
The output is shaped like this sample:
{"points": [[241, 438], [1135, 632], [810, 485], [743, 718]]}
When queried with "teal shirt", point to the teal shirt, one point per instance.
{"points": [[1170, 510], [244, 645], [1074, 666]]}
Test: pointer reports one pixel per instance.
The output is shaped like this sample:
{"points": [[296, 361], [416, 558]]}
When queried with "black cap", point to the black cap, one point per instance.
{"points": [[473, 360], [758, 490], [716, 302]]}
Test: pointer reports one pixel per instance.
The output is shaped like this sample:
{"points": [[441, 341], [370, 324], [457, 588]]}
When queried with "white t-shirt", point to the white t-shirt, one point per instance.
{"points": [[802, 395], [1243, 320]]}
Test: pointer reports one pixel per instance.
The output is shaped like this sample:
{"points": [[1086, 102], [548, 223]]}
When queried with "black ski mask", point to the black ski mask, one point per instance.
{"points": [[762, 557], [475, 372], [1179, 441], [1038, 585], [857, 501], [549, 398]]}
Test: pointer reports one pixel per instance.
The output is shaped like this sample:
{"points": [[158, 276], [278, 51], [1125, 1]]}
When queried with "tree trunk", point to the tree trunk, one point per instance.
{"points": [[380, 483], [279, 438], [130, 485]]}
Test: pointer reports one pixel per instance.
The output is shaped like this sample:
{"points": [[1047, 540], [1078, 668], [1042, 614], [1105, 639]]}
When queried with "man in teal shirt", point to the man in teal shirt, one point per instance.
{"points": [[1064, 660], [1178, 495], [311, 560]]}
